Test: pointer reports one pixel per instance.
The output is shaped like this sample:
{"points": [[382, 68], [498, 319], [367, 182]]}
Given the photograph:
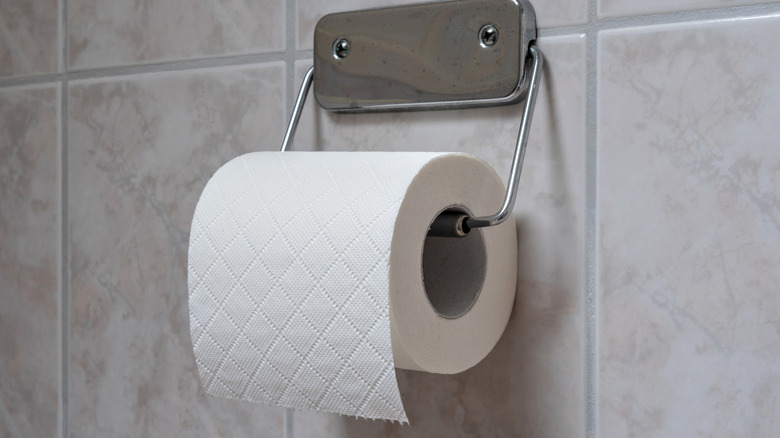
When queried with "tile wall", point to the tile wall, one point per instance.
{"points": [[648, 217]]}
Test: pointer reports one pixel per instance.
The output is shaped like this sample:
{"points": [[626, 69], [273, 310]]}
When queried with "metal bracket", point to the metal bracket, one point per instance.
{"points": [[364, 85], [455, 54]]}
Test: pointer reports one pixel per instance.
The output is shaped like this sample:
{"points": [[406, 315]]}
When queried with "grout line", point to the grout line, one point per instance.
{"points": [[139, 69], [594, 24], [64, 35], [591, 223], [64, 226], [175, 66], [591, 260], [61, 24], [64, 256], [20, 81]]}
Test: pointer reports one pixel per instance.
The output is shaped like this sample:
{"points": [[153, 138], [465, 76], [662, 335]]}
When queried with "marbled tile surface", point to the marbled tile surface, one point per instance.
{"points": [[531, 385], [620, 8], [28, 37], [689, 219], [109, 32], [548, 13], [29, 267], [141, 149]]}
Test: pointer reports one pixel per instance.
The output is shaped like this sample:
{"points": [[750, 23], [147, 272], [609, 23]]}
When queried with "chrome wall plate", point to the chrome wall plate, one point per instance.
{"points": [[446, 55]]}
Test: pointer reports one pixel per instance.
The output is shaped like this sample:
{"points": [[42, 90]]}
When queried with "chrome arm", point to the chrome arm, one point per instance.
{"points": [[296, 114], [536, 62]]}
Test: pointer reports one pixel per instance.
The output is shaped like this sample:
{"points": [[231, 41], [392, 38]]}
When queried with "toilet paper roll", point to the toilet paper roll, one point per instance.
{"points": [[311, 276]]}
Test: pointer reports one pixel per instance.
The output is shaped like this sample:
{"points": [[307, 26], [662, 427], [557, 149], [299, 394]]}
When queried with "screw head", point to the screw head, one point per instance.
{"points": [[341, 48], [488, 35]]}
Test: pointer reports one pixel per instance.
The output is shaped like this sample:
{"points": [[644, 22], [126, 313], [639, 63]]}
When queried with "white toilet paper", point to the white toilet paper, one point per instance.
{"points": [[306, 276]]}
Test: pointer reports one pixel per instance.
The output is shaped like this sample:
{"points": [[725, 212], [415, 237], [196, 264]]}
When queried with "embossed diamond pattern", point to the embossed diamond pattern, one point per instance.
{"points": [[288, 280]]}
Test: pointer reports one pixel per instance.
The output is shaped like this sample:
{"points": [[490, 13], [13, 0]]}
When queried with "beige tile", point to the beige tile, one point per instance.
{"points": [[141, 149], [532, 383], [548, 13], [28, 37], [108, 32], [29, 261], [689, 223], [622, 8]]}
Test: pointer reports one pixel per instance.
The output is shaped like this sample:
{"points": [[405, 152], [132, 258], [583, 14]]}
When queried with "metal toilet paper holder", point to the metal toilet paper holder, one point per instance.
{"points": [[432, 56]]}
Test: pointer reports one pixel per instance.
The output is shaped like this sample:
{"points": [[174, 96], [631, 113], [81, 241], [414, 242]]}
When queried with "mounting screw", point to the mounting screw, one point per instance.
{"points": [[488, 35], [341, 48]]}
